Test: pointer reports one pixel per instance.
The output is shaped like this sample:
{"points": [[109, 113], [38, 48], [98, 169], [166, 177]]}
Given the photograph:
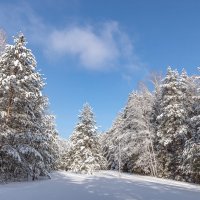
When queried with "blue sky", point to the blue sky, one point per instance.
{"points": [[97, 51]]}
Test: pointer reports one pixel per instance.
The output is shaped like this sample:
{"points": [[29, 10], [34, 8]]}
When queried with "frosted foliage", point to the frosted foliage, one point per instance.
{"points": [[84, 154], [8, 150], [63, 148], [28, 134], [191, 161], [27, 150], [191, 153], [159, 133], [130, 136], [109, 141], [172, 121], [21, 85]]}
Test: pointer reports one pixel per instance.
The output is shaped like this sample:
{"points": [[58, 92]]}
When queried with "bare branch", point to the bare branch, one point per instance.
{"points": [[156, 78]]}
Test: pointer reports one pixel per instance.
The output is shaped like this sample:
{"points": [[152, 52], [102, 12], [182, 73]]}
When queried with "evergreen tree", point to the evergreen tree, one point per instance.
{"points": [[191, 153], [50, 148], [159, 133], [172, 126], [188, 88], [25, 132], [84, 155]]}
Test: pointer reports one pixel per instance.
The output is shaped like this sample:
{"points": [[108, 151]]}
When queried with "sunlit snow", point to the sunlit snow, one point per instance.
{"points": [[105, 185]]}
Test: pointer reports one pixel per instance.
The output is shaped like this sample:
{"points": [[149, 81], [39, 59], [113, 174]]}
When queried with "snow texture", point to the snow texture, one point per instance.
{"points": [[104, 185], [84, 155], [27, 132]]}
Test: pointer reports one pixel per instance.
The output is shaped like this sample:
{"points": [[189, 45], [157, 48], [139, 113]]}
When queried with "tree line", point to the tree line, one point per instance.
{"points": [[159, 132]]}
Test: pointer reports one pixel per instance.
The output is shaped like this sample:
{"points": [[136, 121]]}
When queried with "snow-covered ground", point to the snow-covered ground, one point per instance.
{"points": [[100, 186]]}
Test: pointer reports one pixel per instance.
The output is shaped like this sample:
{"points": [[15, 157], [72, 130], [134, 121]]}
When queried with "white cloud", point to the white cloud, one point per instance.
{"points": [[96, 47], [94, 50]]}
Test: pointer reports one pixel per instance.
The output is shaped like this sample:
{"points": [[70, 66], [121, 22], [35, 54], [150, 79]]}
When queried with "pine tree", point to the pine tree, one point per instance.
{"points": [[84, 155], [172, 126], [188, 88], [25, 133], [191, 154]]}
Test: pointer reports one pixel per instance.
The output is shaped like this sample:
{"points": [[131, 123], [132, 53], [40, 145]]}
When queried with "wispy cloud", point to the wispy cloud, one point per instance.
{"points": [[99, 46], [95, 47], [21, 17]]}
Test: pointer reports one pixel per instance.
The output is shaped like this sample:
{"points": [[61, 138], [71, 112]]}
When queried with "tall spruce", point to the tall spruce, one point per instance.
{"points": [[85, 155], [172, 126], [25, 125]]}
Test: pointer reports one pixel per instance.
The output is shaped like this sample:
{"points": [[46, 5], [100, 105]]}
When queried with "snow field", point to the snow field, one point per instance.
{"points": [[104, 185]]}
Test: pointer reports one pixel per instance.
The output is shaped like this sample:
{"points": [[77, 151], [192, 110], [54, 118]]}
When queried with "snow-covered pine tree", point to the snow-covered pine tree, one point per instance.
{"points": [[85, 155], [24, 138], [191, 154], [188, 87], [172, 126]]}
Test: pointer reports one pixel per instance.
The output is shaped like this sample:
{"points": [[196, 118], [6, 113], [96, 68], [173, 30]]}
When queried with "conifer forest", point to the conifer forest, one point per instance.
{"points": [[157, 133]]}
